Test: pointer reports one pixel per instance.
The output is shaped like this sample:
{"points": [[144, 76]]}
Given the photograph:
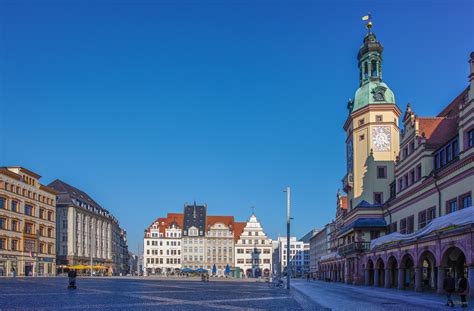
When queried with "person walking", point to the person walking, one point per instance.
{"points": [[449, 286], [72, 274], [463, 290]]}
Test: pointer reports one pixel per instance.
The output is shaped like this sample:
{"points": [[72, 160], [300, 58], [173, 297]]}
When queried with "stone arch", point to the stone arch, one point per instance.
{"points": [[407, 271], [379, 272], [453, 260], [428, 274], [392, 270], [369, 272]]}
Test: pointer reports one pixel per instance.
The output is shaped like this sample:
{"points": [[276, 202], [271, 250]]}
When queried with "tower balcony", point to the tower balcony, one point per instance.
{"points": [[347, 182]]}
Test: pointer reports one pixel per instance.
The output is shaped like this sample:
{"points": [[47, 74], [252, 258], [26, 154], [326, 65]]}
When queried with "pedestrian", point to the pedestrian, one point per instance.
{"points": [[463, 290], [449, 286], [72, 274], [13, 272], [307, 277]]}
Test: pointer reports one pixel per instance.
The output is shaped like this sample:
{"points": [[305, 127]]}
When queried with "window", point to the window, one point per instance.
{"points": [[14, 206], [373, 68], [3, 243], [412, 177], [430, 214], [405, 180], [50, 216], [15, 245], [378, 197], [379, 118], [422, 219], [418, 172], [451, 206], [15, 226], [410, 224], [41, 213], [3, 223], [465, 201], [29, 228], [28, 210], [400, 184], [412, 146], [403, 226], [405, 152], [381, 172], [361, 137], [361, 122], [470, 138], [2, 203]]}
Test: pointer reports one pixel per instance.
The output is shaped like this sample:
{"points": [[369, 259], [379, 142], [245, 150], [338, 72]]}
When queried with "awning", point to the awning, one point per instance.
{"points": [[451, 221]]}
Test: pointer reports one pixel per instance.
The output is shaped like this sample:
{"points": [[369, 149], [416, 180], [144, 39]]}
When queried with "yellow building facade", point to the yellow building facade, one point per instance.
{"points": [[27, 224]]}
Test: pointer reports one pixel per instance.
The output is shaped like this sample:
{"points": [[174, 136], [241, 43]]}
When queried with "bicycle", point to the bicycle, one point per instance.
{"points": [[275, 283]]}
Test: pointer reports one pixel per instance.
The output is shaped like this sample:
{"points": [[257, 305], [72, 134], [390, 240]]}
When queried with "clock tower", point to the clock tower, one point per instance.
{"points": [[372, 131]]}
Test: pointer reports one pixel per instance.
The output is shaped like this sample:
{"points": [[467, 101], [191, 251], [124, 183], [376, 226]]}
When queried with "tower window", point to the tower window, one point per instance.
{"points": [[366, 70], [379, 118], [373, 68], [361, 137], [378, 197], [381, 172], [361, 122]]}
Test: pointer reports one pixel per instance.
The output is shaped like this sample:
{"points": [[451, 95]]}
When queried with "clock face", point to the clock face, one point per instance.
{"points": [[381, 138]]}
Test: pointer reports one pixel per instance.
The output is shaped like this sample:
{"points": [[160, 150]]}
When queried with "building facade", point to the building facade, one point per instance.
{"points": [[219, 244], [27, 224], [162, 245], [406, 189], [194, 236], [253, 250], [86, 232], [318, 247], [297, 262]]}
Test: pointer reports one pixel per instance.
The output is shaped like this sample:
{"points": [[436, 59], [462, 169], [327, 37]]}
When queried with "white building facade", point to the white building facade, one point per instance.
{"points": [[162, 246], [253, 250], [298, 258]]}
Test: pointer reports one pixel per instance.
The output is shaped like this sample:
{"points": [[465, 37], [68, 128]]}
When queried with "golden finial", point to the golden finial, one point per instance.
{"points": [[368, 18]]}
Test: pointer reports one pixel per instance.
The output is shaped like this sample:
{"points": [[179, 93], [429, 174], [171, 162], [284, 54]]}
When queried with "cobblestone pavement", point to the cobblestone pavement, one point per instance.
{"points": [[145, 294], [337, 296]]}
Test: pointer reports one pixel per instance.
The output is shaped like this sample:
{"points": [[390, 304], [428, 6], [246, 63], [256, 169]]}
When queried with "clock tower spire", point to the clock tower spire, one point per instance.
{"points": [[372, 129]]}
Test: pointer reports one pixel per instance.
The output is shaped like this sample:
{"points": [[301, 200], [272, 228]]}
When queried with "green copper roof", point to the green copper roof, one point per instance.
{"points": [[372, 93]]}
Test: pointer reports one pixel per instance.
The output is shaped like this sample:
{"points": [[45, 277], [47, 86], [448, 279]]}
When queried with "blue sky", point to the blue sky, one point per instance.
{"points": [[146, 105]]}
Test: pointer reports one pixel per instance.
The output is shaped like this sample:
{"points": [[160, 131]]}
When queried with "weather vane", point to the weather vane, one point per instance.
{"points": [[368, 18]]}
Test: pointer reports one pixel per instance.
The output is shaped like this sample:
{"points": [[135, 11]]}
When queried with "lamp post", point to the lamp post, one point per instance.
{"points": [[288, 218]]}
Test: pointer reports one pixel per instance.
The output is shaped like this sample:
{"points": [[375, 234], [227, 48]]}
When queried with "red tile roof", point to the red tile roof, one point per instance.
{"points": [[437, 131], [238, 229], [226, 220], [164, 223]]}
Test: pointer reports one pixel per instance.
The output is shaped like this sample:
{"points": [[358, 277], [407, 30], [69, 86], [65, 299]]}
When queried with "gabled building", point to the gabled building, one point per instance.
{"points": [[219, 244], [162, 245], [194, 236], [253, 250]]}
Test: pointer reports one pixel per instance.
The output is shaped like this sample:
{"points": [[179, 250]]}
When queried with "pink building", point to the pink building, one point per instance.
{"points": [[407, 218]]}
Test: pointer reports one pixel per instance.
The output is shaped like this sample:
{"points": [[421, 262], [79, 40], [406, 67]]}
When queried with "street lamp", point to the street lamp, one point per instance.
{"points": [[288, 218]]}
